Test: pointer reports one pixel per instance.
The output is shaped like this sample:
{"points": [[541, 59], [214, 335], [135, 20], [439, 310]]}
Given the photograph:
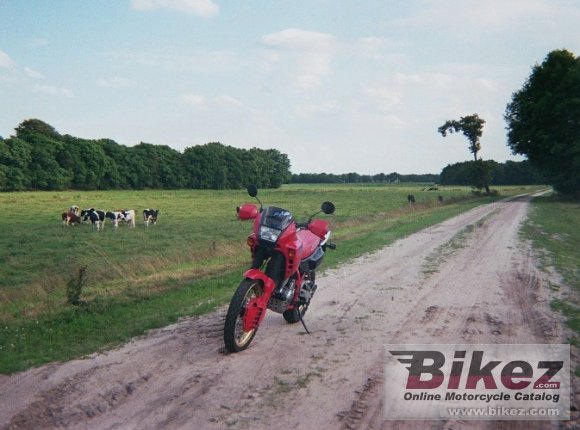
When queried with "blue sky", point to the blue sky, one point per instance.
{"points": [[340, 86]]}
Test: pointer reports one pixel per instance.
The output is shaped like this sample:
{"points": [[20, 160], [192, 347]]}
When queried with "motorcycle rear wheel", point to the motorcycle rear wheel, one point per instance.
{"points": [[235, 338], [291, 315]]}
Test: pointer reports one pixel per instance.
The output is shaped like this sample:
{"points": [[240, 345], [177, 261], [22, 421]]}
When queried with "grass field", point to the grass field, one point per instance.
{"points": [[554, 229], [189, 263]]}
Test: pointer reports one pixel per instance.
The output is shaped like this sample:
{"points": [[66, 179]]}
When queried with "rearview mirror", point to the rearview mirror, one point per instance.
{"points": [[252, 190], [327, 208]]}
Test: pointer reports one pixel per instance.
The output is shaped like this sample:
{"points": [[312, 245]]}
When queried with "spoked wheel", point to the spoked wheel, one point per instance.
{"points": [[235, 338]]}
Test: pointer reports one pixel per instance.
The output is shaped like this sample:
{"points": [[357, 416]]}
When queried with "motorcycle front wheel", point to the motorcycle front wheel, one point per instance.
{"points": [[235, 338]]}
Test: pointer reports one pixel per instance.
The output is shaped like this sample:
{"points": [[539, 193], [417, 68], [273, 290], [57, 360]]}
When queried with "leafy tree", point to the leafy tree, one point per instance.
{"points": [[45, 171], [163, 168], [34, 127], [543, 120], [472, 127], [15, 159], [280, 167], [119, 171]]}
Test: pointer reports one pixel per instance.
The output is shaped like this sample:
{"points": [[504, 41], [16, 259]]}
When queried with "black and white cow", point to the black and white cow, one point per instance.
{"points": [[127, 216], [95, 217], [150, 215]]}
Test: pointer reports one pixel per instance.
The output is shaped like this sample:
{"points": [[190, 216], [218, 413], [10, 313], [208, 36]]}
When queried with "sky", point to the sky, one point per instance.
{"points": [[338, 85]]}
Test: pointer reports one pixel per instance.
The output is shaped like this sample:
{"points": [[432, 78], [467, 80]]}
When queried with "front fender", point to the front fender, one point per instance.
{"points": [[267, 282], [256, 308]]}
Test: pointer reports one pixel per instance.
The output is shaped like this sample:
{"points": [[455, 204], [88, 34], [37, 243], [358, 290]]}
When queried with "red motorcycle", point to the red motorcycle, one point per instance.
{"points": [[285, 255]]}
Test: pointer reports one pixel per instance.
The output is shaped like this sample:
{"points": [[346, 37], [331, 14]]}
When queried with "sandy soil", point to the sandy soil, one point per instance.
{"points": [[467, 280]]}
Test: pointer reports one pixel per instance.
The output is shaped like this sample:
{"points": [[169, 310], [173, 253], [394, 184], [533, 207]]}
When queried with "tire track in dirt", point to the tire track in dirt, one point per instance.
{"points": [[486, 291]]}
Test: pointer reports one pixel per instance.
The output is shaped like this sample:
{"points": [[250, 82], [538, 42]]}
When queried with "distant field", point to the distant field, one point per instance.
{"points": [[190, 262]]}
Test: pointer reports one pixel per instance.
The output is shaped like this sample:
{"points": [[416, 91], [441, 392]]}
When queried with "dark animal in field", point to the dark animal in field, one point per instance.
{"points": [[70, 218], [96, 218], [150, 215], [411, 198], [440, 198]]}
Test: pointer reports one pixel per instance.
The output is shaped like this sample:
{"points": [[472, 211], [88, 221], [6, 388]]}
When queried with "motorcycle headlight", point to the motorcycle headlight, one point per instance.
{"points": [[270, 234]]}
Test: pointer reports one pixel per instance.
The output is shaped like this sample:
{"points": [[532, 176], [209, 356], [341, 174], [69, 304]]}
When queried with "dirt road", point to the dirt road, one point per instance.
{"points": [[467, 280]]}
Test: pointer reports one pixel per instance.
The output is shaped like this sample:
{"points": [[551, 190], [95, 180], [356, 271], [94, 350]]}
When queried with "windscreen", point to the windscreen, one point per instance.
{"points": [[277, 218]]}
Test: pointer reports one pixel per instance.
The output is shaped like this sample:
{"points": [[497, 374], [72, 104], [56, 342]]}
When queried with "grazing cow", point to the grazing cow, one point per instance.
{"points": [[440, 199], [411, 198], [113, 217], [83, 215], [150, 215], [96, 218], [70, 218], [127, 216]]}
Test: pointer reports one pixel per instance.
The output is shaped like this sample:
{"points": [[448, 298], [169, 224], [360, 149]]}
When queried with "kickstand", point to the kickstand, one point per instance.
{"points": [[302, 321]]}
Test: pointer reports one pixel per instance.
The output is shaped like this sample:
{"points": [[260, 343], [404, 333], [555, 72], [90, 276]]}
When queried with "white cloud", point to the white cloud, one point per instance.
{"points": [[115, 82], [386, 97], [471, 19], [169, 59], [37, 43], [5, 60], [306, 55], [297, 39], [196, 100], [204, 8], [325, 107], [52, 90], [374, 48], [229, 101], [33, 73]]}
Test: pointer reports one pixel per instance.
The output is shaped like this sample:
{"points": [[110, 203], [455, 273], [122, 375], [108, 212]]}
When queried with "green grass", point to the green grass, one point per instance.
{"points": [[554, 229], [188, 264]]}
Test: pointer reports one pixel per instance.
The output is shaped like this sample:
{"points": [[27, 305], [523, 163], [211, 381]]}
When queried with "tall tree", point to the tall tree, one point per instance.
{"points": [[472, 127], [543, 120]]}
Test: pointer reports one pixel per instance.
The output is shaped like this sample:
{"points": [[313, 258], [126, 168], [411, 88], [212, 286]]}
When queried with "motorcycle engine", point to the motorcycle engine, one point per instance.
{"points": [[282, 296]]}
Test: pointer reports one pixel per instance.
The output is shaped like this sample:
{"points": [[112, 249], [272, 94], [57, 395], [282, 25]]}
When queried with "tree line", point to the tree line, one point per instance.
{"points": [[37, 157], [354, 178], [491, 172], [463, 173]]}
